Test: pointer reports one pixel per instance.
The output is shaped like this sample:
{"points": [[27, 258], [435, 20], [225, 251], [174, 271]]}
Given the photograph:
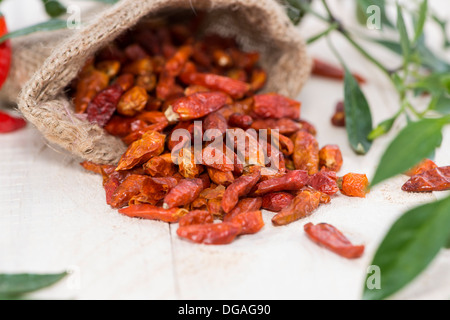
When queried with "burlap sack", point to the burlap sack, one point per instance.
{"points": [[260, 25]]}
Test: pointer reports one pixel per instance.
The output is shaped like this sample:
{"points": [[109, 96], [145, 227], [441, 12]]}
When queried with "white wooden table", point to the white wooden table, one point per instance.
{"points": [[53, 217]]}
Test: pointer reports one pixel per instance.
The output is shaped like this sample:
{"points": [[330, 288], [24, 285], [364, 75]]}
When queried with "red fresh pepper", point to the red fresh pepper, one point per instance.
{"points": [[9, 123], [5, 52]]}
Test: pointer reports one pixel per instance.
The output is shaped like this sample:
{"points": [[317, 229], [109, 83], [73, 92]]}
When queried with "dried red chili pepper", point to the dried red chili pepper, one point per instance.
{"points": [[324, 69], [126, 190], [197, 105], [244, 60], [126, 81], [9, 123], [306, 152], [103, 106], [148, 82], [308, 127], [422, 167], [214, 125], [250, 221], [160, 166], [110, 187], [132, 101], [195, 89], [238, 120], [275, 106], [303, 205], [218, 159], [284, 144], [354, 185], [331, 238], [98, 168], [330, 158], [89, 85], [258, 80], [338, 119], [154, 190], [284, 126], [240, 188], [234, 88], [5, 52], [220, 177], [196, 217], [110, 67], [184, 193], [437, 179], [188, 166], [139, 67], [139, 152], [292, 181], [146, 211], [175, 65], [244, 205], [222, 59], [325, 182], [135, 52], [277, 201], [212, 233]]}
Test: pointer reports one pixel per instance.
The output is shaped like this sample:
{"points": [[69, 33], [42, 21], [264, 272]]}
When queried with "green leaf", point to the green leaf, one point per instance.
{"points": [[442, 104], [429, 59], [54, 8], [409, 247], [413, 144], [296, 9], [12, 285], [50, 25], [382, 129], [404, 37], [423, 12], [357, 115], [365, 4], [447, 246]]}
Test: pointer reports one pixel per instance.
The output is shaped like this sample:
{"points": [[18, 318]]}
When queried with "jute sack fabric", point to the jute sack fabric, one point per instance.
{"points": [[258, 25]]}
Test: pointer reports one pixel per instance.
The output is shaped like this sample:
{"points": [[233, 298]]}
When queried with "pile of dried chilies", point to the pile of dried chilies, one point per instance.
{"points": [[157, 81]]}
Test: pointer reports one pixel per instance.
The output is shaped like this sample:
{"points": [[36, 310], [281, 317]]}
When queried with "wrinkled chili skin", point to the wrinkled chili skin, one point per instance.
{"points": [[234, 88], [250, 221], [284, 126], [242, 121], [354, 185], [211, 234], [303, 205], [220, 177], [277, 201], [151, 144], [196, 217], [103, 106], [332, 239], [437, 179], [149, 212], [126, 190], [184, 193], [239, 188], [199, 105], [325, 182], [292, 181], [88, 87], [306, 152], [213, 124], [330, 158], [422, 167], [244, 205], [10, 124], [110, 187], [275, 106]]}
